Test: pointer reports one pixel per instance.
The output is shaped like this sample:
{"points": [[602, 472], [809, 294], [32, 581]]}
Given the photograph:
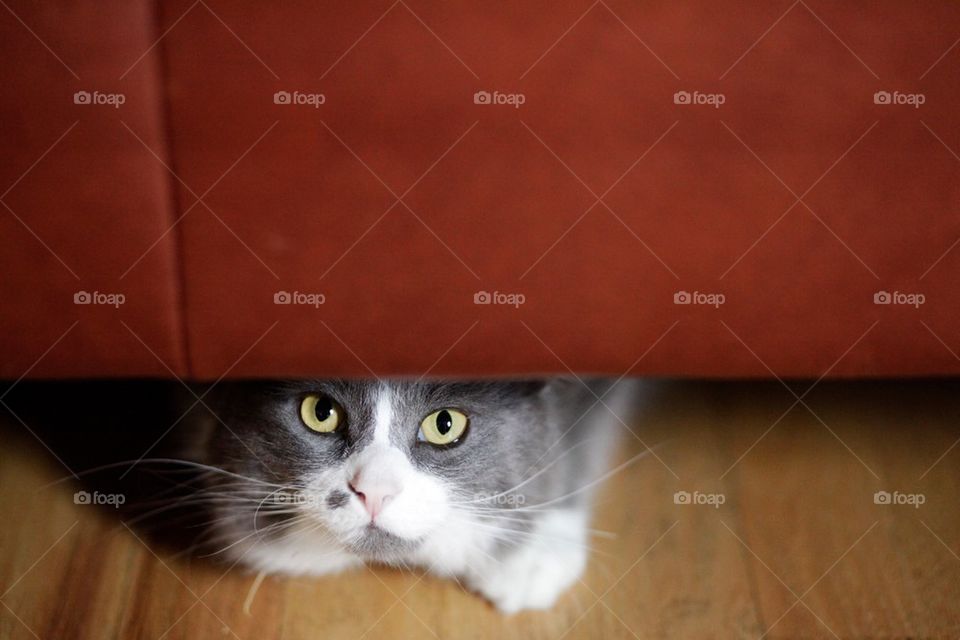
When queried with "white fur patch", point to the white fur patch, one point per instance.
{"points": [[383, 415], [535, 575]]}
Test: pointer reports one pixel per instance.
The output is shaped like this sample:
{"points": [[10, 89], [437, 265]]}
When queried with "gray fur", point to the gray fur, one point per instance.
{"points": [[516, 430]]}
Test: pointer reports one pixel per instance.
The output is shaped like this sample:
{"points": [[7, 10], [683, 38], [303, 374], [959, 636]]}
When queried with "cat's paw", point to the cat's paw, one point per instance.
{"points": [[536, 574], [533, 578]]}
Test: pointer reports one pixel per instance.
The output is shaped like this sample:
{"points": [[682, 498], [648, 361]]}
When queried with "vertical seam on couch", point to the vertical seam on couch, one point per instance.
{"points": [[179, 249]]}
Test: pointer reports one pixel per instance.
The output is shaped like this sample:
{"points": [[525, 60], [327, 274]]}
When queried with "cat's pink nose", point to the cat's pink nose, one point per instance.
{"points": [[374, 493]]}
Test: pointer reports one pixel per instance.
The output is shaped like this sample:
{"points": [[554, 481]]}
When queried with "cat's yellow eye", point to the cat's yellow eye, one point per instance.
{"points": [[443, 427], [320, 413]]}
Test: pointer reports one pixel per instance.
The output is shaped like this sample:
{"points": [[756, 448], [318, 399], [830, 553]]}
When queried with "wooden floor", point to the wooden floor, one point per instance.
{"points": [[798, 548]]}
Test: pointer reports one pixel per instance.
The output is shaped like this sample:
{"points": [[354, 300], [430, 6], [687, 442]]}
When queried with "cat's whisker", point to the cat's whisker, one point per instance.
{"points": [[195, 478], [526, 481], [505, 533], [586, 487], [598, 533], [256, 513], [211, 498], [204, 497], [229, 546], [208, 497], [189, 463], [259, 533], [513, 489]]}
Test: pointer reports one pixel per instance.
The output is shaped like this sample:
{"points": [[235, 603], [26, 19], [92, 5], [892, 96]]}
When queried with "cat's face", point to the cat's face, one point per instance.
{"points": [[384, 468]]}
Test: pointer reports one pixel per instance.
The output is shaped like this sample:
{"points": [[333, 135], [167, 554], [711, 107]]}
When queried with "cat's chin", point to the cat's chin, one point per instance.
{"points": [[375, 544]]}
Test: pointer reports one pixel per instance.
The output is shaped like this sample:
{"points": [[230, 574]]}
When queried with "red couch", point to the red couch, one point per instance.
{"points": [[790, 169]]}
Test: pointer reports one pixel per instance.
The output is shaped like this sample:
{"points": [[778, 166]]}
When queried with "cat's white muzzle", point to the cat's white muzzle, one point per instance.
{"points": [[385, 497]]}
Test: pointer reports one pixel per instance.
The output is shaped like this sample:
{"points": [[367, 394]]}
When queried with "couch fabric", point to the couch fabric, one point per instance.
{"points": [[787, 162]]}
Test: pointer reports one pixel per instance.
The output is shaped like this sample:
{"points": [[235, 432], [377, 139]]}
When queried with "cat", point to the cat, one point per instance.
{"points": [[485, 482]]}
